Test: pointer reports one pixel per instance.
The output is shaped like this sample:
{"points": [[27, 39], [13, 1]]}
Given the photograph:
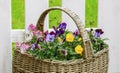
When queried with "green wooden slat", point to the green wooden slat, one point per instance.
{"points": [[18, 15], [91, 13], [13, 46], [55, 17]]}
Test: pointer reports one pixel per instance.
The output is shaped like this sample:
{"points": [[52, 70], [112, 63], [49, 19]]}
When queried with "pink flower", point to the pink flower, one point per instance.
{"points": [[37, 33], [18, 44], [32, 27], [23, 48]]}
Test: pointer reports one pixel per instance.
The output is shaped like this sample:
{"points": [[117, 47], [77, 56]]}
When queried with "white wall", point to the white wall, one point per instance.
{"points": [[109, 21], [5, 45]]}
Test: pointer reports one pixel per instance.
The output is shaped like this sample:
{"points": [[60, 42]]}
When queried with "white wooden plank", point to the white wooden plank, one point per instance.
{"points": [[109, 21], [5, 43], [33, 9], [18, 35]]}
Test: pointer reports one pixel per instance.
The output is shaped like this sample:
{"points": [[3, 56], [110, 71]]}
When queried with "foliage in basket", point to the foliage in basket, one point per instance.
{"points": [[59, 44]]}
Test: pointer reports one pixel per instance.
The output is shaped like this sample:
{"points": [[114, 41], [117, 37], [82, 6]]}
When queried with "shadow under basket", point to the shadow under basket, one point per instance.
{"points": [[90, 63]]}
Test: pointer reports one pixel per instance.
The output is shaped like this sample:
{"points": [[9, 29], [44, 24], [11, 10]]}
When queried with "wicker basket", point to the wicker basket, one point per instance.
{"points": [[90, 63]]}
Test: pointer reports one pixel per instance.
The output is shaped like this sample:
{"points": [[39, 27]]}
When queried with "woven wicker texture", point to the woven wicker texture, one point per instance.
{"points": [[91, 63]]}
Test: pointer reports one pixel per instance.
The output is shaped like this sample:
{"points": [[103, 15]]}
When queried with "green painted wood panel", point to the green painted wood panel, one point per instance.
{"points": [[18, 14], [55, 17], [91, 13]]}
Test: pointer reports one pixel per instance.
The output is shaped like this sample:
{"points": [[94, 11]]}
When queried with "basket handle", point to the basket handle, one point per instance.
{"points": [[88, 51]]}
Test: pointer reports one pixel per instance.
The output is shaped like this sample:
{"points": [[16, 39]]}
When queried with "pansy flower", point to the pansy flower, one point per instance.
{"points": [[70, 37], [60, 40], [46, 32], [24, 47], [79, 39], [31, 27], [79, 49], [63, 26], [34, 46], [76, 33], [50, 37], [98, 32], [60, 30], [18, 44], [63, 52], [40, 40], [37, 33]]}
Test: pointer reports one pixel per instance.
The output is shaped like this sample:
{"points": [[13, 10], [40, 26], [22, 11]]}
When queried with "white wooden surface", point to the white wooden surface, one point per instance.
{"points": [[109, 21], [5, 43]]}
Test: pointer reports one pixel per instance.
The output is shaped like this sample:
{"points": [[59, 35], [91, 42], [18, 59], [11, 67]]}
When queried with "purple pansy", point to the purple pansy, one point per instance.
{"points": [[56, 31], [60, 30], [52, 33], [50, 37], [46, 32], [62, 26], [64, 52], [76, 33], [98, 32], [34, 46], [39, 40]]}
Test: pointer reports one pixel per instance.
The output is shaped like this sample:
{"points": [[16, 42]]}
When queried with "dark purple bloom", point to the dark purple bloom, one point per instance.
{"points": [[98, 32], [34, 46], [59, 32], [50, 38], [76, 33], [63, 26], [52, 33], [64, 52], [46, 32], [39, 40]]}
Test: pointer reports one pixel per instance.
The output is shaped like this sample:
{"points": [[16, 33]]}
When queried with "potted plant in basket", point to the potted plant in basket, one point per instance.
{"points": [[59, 44]]}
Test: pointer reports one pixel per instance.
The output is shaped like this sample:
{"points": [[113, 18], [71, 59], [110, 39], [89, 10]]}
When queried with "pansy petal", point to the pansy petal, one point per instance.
{"points": [[22, 50], [18, 44], [31, 27]]}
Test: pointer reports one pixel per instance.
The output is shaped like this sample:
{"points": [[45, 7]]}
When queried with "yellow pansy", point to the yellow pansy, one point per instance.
{"points": [[79, 49], [60, 40], [70, 37], [79, 39]]}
